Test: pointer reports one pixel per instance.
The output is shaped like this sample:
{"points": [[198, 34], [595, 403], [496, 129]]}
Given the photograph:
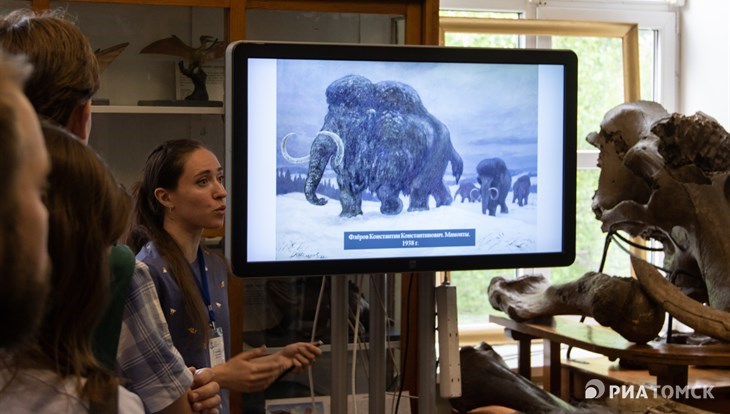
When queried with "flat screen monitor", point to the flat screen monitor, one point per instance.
{"points": [[346, 159]]}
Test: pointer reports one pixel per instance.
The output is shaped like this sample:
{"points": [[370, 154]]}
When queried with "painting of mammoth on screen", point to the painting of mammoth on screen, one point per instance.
{"points": [[364, 147], [381, 138]]}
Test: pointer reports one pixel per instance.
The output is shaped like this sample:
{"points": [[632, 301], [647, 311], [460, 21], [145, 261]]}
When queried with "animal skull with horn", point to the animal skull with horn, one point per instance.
{"points": [[663, 177]]}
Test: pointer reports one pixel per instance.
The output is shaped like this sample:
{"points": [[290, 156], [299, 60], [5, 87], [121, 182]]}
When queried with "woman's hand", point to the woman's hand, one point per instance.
{"points": [[300, 355], [253, 371], [249, 371], [204, 394]]}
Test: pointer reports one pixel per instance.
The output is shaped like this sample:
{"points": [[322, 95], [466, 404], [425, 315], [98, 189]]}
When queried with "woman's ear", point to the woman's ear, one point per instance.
{"points": [[163, 197], [80, 121]]}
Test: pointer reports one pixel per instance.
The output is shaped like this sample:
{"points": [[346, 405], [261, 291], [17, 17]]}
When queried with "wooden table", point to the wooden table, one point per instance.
{"points": [[667, 362]]}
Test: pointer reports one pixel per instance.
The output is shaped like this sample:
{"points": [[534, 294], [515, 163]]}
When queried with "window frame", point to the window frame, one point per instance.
{"points": [[627, 32], [578, 19]]}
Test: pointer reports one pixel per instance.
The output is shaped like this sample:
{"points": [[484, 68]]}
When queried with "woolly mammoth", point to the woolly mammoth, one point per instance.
{"points": [[495, 181], [379, 137], [663, 177], [521, 190], [468, 191]]}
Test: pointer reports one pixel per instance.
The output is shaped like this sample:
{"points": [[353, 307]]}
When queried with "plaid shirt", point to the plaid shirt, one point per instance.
{"points": [[149, 364], [185, 336]]}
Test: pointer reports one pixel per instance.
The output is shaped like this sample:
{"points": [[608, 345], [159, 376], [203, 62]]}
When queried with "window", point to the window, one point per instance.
{"points": [[600, 89]]}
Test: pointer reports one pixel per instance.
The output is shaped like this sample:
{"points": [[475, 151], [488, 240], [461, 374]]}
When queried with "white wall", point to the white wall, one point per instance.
{"points": [[705, 59]]}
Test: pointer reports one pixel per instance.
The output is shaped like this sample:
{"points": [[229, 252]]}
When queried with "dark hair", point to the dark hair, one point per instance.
{"points": [[88, 213], [163, 169], [66, 72]]}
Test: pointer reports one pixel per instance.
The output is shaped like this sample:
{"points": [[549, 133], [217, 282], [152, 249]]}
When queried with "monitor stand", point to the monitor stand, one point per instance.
{"points": [[377, 345], [339, 339], [426, 341]]}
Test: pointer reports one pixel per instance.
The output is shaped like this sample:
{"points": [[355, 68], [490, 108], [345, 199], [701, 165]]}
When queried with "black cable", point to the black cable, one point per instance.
{"points": [[601, 265], [636, 245], [604, 256], [606, 243], [668, 274], [640, 247], [405, 347], [611, 235]]}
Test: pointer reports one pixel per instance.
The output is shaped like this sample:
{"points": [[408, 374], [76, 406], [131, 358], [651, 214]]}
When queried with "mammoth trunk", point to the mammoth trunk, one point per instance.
{"points": [[487, 189], [323, 148], [310, 186]]}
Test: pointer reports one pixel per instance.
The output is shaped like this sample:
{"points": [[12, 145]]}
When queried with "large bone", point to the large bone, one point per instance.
{"points": [[617, 302], [487, 381], [704, 319], [684, 162], [663, 177], [621, 129]]}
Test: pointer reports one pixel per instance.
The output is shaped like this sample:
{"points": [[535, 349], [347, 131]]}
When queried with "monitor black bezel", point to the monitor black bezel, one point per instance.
{"points": [[237, 153]]}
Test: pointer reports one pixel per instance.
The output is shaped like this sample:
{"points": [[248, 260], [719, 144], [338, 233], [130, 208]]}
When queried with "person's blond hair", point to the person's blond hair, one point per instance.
{"points": [[66, 71]]}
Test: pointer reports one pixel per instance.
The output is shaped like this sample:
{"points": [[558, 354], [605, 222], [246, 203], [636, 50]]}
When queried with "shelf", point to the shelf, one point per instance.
{"points": [[138, 109], [191, 3]]}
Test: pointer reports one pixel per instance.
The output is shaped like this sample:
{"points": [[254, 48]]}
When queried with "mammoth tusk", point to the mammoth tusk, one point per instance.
{"points": [[299, 160], [340, 146], [493, 193], [704, 319], [285, 153]]}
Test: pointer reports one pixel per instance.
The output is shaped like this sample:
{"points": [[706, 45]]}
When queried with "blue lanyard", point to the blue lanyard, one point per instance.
{"points": [[203, 286]]}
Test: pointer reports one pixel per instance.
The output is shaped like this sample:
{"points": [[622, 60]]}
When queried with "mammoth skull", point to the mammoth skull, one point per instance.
{"points": [[666, 178], [663, 177]]}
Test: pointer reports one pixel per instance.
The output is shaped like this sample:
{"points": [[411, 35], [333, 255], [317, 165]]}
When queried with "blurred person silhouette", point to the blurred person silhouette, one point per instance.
{"points": [[53, 370], [24, 166], [89, 211]]}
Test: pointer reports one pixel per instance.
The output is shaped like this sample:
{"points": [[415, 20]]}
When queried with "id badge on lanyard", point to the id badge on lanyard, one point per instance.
{"points": [[216, 347]]}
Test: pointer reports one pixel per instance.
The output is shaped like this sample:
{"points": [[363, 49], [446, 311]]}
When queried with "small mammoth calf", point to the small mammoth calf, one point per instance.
{"points": [[521, 190], [468, 191]]}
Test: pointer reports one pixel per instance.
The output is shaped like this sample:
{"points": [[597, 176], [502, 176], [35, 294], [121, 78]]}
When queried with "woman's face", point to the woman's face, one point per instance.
{"points": [[199, 201]]}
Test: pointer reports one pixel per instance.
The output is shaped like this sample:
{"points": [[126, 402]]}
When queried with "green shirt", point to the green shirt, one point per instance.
{"points": [[106, 335]]}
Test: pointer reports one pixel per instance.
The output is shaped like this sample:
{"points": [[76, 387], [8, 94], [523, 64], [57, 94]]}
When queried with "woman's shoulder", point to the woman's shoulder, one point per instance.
{"points": [[40, 391], [150, 256], [216, 261], [129, 402], [147, 251], [214, 256]]}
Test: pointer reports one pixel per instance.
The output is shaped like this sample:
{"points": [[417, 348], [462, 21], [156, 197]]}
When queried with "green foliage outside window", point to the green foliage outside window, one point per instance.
{"points": [[478, 39], [600, 79], [600, 88]]}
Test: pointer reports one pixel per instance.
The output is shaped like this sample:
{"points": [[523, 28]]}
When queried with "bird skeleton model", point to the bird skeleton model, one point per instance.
{"points": [[210, 49]]}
